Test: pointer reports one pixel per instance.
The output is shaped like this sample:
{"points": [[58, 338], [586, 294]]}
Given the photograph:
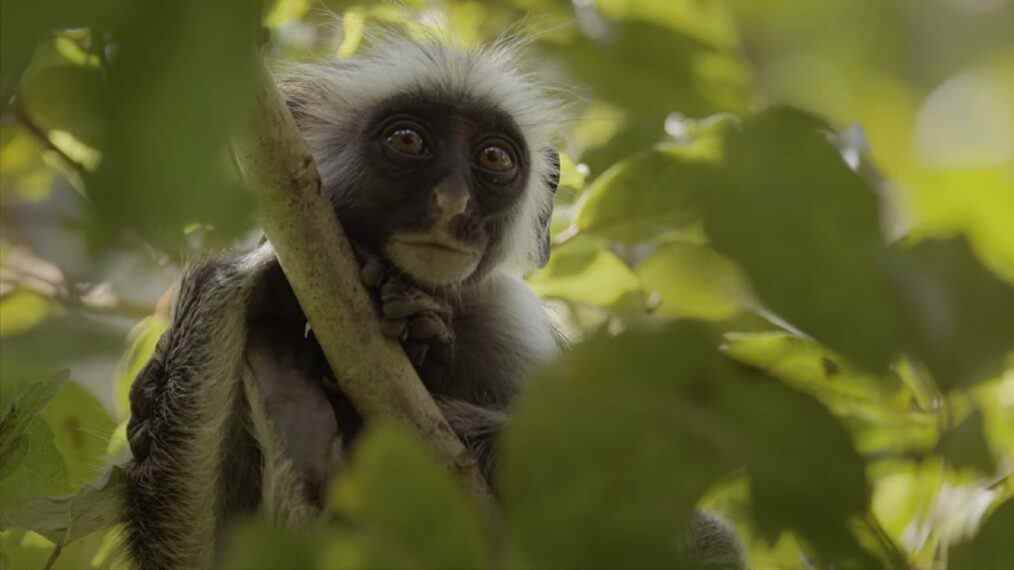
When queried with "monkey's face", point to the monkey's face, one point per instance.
{"points": [[440, 183]]}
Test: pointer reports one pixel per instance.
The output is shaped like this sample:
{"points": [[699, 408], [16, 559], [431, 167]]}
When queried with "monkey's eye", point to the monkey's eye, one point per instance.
{"points": [[496, 159], [406, 142], [497, 163]]}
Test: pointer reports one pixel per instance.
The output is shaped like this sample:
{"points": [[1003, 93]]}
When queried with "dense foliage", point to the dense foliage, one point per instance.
{"points": [[782, 246]]}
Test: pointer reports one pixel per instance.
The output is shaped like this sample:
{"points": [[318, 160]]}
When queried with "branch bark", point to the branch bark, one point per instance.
{"points": [[319, 264]]}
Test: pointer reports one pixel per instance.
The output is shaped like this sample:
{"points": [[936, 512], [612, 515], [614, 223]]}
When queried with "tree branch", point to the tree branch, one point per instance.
{"points": [[319, 264]]}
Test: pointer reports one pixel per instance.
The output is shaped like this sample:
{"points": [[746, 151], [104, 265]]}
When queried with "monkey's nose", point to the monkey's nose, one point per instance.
{"points": [[452, 199]]}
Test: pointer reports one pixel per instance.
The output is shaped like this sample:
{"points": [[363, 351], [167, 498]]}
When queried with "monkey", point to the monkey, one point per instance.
{"points": [[438, 162]]}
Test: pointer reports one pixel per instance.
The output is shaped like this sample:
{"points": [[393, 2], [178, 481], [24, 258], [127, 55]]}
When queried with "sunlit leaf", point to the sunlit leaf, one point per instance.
{"points": [[584, 271], [21, 311], [693, 281], [81, 429], [285, 10]]}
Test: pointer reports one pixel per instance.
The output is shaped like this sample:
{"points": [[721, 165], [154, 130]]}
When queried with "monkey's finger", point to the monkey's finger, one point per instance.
{"points": [[416, 352], [401, 307], [442, 353], [427, 326], [372, 273], [393, 328]]}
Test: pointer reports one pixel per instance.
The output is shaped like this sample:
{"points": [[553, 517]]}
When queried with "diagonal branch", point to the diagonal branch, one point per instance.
{"points": [[318, 262]]}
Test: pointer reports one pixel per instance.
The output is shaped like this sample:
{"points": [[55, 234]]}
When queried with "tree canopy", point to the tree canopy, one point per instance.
{"points": [[782, 248]]}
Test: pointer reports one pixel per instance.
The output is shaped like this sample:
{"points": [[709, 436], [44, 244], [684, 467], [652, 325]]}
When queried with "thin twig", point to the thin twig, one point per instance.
{"points": [[57, 550], [25, 120]]}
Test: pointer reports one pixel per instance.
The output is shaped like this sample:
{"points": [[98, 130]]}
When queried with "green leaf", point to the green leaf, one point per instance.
{"points": [[26, 550], [65, 97], [25, 24], [650, 194], [66, 518], [694, 282], [411, 513], [653, 419], [38, 469], [81, 427], [682, 72], [264, 546], [612, 482], [584, 271], [182, 82], [805, 229], [959, 312], [21, 311], [965, 446], [20, 404], [991, 548]]}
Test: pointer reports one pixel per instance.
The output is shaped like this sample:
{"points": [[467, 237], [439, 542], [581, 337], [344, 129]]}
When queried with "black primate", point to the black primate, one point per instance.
{"points": [[439, 166]]}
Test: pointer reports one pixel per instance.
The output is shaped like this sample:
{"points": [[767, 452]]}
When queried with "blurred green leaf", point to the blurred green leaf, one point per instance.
{"points": [[264, 546], [806, 230], [693, 281], [710, 22], [991, 548], [65, 97], [965, 446], [410, 512], [21, 311], [611, 482], [583, 271], [650, 70], [649, 194], [178, 87], [958, 310], [286, 10], [29, 551], [57, 343], [25, 24], [654, 419]]}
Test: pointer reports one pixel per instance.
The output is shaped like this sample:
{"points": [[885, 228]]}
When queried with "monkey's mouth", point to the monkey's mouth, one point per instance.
{"points": [[440, 246], [433, 260]]}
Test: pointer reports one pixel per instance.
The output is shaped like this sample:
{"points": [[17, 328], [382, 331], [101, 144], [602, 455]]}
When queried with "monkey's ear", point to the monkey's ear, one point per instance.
{"points": [[546, 218]]}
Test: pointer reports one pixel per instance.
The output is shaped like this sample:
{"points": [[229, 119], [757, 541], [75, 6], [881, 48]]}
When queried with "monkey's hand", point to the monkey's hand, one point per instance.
{"points": [[419, 320]]}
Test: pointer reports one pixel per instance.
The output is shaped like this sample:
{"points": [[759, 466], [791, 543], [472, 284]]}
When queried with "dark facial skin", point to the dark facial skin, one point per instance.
{"points": [[443, 176]]}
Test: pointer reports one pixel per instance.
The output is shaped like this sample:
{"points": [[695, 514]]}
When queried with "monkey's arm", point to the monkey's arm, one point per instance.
{"points": [[184, 430], [229, 416]]}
